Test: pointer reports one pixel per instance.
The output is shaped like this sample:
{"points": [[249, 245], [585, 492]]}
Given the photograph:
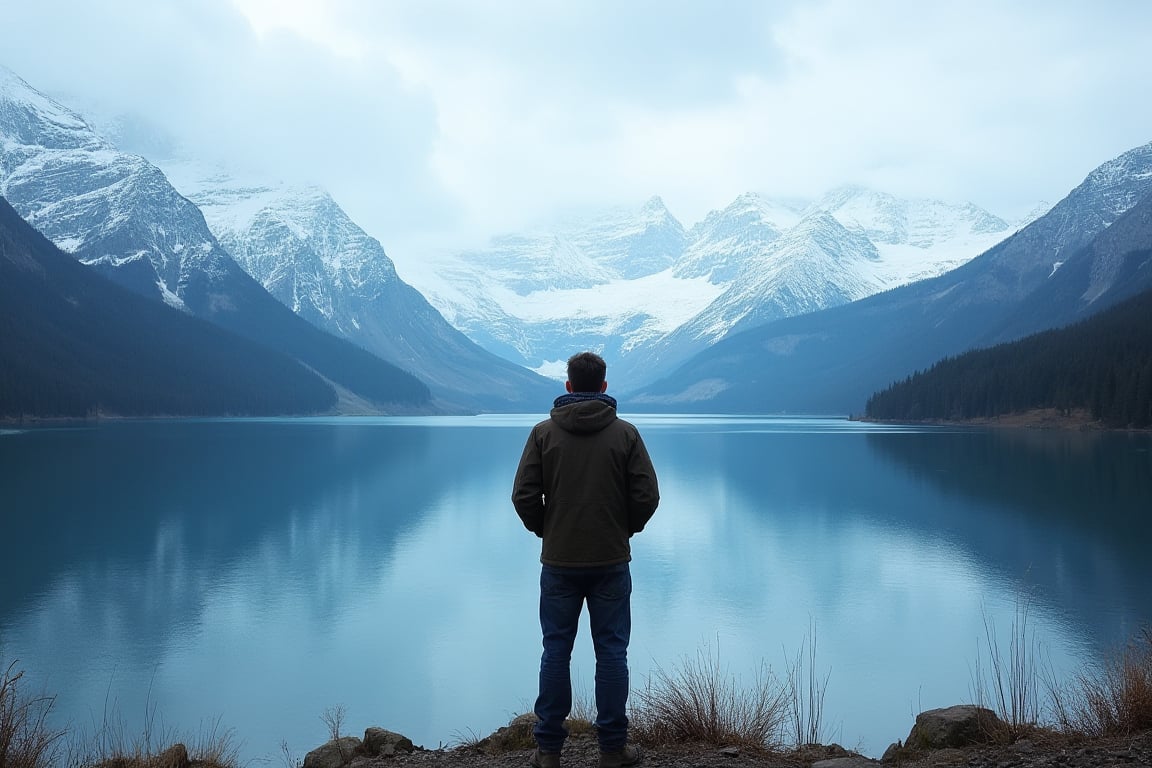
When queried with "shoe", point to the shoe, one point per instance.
{"points": [[545, 759], [629, 755]]}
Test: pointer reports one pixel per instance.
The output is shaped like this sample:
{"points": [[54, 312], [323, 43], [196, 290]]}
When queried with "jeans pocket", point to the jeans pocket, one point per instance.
{"points": [[614, 586], [555, 585]]}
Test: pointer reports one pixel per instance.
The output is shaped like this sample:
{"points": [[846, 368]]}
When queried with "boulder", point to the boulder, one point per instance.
{"points": [[946, 758], [957, 726], [176, 756], [379, 742], [852, 761], [514, 736], [812, 753], [334, 754]]}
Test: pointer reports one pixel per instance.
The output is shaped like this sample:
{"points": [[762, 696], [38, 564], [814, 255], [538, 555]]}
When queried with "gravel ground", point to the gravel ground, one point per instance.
{"points": [[582, 751]]}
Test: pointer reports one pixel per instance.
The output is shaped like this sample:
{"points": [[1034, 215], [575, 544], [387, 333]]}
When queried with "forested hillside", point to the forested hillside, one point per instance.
{"points": [[1102, 364]]}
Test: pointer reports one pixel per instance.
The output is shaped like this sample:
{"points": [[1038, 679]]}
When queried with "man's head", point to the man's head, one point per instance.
{"points": [[586, 373]]}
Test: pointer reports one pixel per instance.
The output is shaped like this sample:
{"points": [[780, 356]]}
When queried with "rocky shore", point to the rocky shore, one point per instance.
{"points": [[963, 735]]}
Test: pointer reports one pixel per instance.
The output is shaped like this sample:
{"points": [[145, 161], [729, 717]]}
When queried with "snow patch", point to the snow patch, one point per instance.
{"points": [[112, 260], [170, 298], [701, 390], [553, 369], [667, 300]]}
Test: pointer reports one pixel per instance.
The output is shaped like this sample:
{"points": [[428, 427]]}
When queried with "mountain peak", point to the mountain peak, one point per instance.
{"points": [[1114, 178], [922, 223], [1136, 160], [753, 209], [654, 204], [33, 119], [844, 193], [824, 231]]}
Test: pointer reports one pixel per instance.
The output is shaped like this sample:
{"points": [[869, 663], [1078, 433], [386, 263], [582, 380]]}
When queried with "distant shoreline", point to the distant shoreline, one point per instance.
{"points": [[1078, 419]]}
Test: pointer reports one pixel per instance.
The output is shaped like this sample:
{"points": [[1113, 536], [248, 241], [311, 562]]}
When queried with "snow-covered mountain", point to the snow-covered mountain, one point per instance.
{"points": [[816, 264], [631, 244], [306, 251], [721, 245], [634, 284], [80, 191], [600, 282], [117, 213], [916, 238], [1088, 252], [73, 344], [536, 297]]}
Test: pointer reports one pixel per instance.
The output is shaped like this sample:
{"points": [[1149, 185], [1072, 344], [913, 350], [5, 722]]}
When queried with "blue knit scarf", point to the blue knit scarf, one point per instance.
{"points": [[583, 397]]}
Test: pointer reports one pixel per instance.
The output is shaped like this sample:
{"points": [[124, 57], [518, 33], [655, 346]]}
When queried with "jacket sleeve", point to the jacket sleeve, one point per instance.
{"points": [[528, 487], [643, 490]]}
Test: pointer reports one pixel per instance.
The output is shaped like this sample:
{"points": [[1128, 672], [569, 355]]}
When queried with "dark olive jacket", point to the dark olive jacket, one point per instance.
{"points": [[585, 484]]}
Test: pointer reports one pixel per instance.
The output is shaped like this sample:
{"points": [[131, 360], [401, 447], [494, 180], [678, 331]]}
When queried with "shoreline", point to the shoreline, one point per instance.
{"points": [[961, 735], [1077, 420]]}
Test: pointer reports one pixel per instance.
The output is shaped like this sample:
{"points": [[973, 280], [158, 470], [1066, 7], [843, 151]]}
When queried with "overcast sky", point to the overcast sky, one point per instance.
{"points": [[433, 120]]}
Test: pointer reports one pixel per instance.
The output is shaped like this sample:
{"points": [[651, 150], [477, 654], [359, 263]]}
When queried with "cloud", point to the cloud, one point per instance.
{"points": [[270, 99], [466, 117]]}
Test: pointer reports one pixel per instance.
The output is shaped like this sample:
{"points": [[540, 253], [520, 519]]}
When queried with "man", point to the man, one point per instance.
{"points": [[585, 485]]}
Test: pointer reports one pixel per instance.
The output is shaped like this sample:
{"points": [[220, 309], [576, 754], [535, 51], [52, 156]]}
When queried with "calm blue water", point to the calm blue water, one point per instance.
{"points": [[256, 573]]}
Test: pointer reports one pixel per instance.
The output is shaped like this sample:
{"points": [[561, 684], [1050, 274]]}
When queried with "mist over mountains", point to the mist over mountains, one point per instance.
{"points": [[649, 293], [1086, 254], [119, 214], [305, 250], [769, 304]]}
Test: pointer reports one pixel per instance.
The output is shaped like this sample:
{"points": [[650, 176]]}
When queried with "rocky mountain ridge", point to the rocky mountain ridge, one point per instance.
{"points": [[1088, 252], [305, 250], [119, 214], [674, 291]]}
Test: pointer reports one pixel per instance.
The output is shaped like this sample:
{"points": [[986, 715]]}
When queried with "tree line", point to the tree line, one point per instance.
{"points": [[1102, 365]]}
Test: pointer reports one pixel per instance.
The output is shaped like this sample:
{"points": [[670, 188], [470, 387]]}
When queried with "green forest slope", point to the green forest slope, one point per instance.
{"points": [[1102, 365]]}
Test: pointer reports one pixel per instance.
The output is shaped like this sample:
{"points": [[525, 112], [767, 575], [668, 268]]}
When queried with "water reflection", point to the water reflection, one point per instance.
{"points": [[262, 571], [206, 568], [1067, 512]]}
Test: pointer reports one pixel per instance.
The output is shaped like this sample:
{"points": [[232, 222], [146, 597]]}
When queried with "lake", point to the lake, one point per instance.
{"points": [[251, 574]]}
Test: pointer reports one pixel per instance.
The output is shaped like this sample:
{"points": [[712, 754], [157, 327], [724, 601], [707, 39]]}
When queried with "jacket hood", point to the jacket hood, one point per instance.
{"points": [[584, 414]]}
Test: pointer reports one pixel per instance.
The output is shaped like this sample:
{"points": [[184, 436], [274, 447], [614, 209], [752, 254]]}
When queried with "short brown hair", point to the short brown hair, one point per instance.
{"points": [[586, 372]]}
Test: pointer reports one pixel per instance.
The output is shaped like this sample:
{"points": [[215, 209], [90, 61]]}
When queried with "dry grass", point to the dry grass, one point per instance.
{"points": [[212, 747], [1009, 685], [518, 735], [26, 740], [216, 746], [702, 702], [1113, 700], [806, 694], [582, 718]]}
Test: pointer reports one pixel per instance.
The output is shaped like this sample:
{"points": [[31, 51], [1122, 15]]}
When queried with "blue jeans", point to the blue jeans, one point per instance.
{"points": [[563, 591]]}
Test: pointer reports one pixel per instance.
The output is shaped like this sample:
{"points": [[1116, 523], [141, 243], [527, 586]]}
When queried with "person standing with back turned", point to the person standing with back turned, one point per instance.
{"points": [[585, 485]]}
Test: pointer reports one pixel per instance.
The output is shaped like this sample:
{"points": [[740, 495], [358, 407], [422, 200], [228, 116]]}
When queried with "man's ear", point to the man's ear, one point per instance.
{"points": [[567, 386], [604, 386]]}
